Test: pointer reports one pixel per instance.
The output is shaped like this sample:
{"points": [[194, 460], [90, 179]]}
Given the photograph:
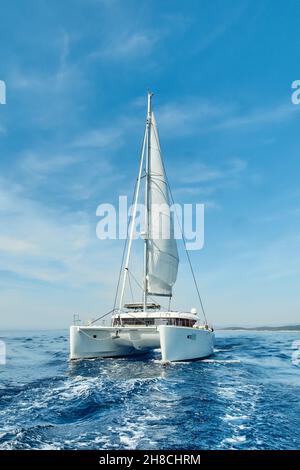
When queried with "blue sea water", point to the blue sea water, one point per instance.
{"points": [[246, 396]]}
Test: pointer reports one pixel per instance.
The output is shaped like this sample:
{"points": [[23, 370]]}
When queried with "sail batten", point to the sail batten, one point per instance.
{"points": [[162, 247]]}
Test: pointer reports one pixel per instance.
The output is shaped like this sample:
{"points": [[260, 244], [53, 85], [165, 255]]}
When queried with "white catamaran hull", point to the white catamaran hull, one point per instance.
{"points": [[90, 342], [176, 343], [183, 344]]}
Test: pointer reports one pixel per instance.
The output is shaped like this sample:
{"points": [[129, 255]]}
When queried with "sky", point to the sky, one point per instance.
{"points": [[77, 74]]}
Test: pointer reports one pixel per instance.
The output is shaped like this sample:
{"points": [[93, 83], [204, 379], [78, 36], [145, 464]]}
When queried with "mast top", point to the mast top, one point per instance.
{"points": [[150, 94]]}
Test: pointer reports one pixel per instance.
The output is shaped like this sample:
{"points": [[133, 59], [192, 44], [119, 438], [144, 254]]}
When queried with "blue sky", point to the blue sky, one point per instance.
{"points": [[77, 73]]}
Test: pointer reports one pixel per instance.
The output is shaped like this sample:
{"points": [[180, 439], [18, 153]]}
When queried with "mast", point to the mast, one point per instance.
{"points": [[147, 202]]}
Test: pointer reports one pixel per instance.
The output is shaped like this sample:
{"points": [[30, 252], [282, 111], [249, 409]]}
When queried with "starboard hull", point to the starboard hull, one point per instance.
{"points": [[184, 344]]}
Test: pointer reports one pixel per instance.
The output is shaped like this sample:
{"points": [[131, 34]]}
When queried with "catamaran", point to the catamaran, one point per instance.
{"points": [[140, 327]]}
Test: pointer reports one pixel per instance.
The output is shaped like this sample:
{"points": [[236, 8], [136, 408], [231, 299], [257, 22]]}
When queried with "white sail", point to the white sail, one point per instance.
{"points": [[162, 247]]}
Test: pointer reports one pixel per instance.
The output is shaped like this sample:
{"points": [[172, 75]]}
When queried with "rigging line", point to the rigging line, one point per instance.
{"points": [[188, 257], [133, 218], [123, 254], [181, 230], [120, 273], [130, 287], [162, 251], [135, 280], [128, 313], [126, 243], [102, 316], [140, 286]]}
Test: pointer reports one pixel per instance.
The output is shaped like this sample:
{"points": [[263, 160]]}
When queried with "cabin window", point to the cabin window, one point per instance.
{"points": [[158, 321], [138, 321]]}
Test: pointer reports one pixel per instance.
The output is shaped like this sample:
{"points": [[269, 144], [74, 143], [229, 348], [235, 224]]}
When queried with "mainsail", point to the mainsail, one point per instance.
{"points": [[162, 247]]}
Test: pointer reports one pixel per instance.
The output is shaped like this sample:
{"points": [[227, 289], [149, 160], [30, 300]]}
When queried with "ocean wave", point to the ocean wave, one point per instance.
{"points": [[235, 399]]}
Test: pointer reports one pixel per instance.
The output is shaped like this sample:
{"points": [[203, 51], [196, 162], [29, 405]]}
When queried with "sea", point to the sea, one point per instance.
{"points": [[245, 396]]}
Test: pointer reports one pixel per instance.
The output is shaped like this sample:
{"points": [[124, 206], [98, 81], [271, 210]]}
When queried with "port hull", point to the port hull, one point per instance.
{"points": [[91, 342]]}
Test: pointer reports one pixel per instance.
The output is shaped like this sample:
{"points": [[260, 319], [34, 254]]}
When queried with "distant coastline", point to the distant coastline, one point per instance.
{"points": [[262, 328]]}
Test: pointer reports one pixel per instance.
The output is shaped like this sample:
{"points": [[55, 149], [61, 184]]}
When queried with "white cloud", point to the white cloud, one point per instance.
{"points": [[187, 117], [194, 116], [47, 96], [57, 78], [206, 179], [212, 205], [132, 45], [219, 30], [112, 136], [197, 180], [51, 246], [70, 176], [279, 260], [127, 46], [14, 245], [200, 173], [43, 164], [275, 114], [99, 138]]}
